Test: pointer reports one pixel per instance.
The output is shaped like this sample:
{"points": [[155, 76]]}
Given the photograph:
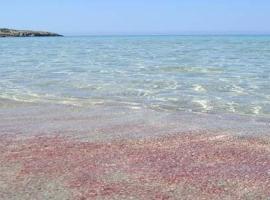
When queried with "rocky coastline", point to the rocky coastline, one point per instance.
{"points": [[4, 32]]}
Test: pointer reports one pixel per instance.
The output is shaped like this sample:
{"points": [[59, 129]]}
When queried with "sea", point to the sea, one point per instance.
{"points": [[202, 74]]}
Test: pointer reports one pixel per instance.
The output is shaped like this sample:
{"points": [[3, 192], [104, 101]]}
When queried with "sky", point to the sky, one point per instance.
{"points": [[87, 17]]}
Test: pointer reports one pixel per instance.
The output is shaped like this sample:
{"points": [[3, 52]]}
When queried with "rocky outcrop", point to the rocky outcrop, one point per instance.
{"points": [[4, 32]]}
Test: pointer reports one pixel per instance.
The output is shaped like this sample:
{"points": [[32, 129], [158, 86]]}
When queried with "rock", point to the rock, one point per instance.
{"points": [[4, 32]]}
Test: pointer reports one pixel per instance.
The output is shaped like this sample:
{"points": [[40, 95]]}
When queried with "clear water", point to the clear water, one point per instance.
{"points": [[214, 74]]}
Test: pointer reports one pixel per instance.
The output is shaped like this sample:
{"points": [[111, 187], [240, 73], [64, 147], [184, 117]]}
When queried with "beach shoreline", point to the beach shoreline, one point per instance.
{"points": [[117, 120]]}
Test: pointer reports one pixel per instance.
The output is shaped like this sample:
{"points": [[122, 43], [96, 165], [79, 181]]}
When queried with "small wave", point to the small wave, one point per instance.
{"points": [[204, 104], [135, 107], [198, 88], [232, 107], [237, 89], [256, 110], [191, 69]]}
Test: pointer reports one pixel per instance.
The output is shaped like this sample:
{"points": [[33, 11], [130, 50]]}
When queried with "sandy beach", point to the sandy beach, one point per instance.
{"points": [[65, 152]]}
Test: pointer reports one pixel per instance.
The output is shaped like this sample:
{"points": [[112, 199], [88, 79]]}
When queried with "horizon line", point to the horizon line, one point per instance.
{"points": [[183, 33], [167, 34]]}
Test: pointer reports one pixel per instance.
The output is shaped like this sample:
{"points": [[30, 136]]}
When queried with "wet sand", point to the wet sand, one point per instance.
{"points": [[112, 152]]}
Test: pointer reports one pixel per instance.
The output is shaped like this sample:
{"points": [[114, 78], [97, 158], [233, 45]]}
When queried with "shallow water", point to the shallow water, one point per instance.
{"points": [[106, 123], [213, 74]]}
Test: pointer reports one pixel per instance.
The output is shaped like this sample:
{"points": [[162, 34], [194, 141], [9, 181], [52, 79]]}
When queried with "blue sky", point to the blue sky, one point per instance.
{"points": [[76, 17]]}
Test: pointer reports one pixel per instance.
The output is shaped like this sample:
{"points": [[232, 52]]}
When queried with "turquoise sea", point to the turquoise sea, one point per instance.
{"points": [[209, 74]]}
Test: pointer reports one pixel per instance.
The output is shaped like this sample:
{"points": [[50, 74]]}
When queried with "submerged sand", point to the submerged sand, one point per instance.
{"points": [[63, 152]]}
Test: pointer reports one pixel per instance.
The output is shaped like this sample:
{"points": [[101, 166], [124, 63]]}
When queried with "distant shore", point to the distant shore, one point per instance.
{"points": [[4, 32]]}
